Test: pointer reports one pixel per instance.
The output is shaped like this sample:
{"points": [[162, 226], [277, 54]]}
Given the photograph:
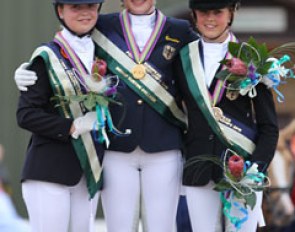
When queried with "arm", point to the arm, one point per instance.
{"points": [[267, 126], [35, 111], [24, 78]]}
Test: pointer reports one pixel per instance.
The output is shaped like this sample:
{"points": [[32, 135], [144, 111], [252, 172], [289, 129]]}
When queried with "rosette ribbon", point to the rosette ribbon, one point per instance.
{"points": [[241, 194], [226, 199], [276, 73], [104, 118], [247, 86]]}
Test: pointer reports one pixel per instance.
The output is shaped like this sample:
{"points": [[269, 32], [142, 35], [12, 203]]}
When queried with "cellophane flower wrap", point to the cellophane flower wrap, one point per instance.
{"points": [[101, 90], [253, 63], [241, 180]]}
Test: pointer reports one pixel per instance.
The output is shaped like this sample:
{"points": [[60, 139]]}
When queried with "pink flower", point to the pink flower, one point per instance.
{"points": [[237, 67], [236, 166], [99, 67]]}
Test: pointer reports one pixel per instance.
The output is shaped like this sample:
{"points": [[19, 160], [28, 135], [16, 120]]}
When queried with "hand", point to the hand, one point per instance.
{"points": [[84, 124], [24, 78]]}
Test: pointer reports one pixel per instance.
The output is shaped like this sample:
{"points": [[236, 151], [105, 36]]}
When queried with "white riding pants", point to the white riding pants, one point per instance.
{"points": [[141, 183], [205, 210], [59, 208]]}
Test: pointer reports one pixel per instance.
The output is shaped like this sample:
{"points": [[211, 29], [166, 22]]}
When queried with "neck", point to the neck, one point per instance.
{"points": [[149, 12]]}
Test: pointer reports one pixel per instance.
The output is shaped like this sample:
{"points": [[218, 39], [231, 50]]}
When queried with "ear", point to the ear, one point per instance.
{"points": [[60, 11]]}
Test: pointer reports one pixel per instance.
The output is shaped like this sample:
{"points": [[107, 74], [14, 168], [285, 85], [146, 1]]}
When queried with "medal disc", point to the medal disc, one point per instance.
{"points": [[218, 114], [138, 71]]}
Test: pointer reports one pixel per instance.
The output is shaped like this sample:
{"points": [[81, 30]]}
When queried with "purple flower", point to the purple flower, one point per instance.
{"points": [[110, 91], [252, 75]]}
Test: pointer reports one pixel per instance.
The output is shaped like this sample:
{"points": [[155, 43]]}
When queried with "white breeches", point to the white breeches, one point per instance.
{"points": [[140, 184], [59, 208], [205, 210]]}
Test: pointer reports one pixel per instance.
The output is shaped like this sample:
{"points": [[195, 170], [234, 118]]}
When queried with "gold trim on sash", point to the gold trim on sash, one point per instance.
{"points": [[74, 107]]}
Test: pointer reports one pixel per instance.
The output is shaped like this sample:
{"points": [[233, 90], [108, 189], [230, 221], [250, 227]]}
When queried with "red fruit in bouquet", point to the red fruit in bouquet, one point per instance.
{"points": [[100, 67], [237, 67], [236, 165]]}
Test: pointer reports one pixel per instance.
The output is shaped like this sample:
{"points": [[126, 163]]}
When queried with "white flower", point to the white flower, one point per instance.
{"points": [[97, 86], [253, 169]]}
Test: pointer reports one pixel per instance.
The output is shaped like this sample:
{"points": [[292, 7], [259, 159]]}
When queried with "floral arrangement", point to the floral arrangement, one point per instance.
{"points": [[252, 63], [101, 89], [241, 179]]}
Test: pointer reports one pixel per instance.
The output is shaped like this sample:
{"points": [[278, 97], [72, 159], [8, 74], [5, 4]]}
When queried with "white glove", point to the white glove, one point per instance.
{"points": [[24, 78], [85, 124]]}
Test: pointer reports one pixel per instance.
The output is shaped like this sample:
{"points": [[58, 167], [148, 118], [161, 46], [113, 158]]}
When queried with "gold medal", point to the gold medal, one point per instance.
{"points": [[138, 71], [218, 114]]}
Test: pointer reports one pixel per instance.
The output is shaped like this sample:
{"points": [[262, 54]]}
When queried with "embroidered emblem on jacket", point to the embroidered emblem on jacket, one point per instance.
{"points": [[168, 52]]}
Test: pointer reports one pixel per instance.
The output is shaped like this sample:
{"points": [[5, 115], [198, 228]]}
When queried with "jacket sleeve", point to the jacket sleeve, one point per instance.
{"points": [[36, 113], [267, 127]]}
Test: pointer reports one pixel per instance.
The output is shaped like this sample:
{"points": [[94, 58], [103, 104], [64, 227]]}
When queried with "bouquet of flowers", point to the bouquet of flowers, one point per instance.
{"points": [[252, 63], [241, 179], [101, 90]]}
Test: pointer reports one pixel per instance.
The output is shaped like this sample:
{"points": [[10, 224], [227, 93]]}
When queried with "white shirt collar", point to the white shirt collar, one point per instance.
{"points": [[213, 54], [143, 20], [83, 47]]}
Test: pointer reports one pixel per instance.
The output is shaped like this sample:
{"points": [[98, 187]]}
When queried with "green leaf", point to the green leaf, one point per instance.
{"points": [[78, 98], [251, 200], [222, 186], [224, 61], [264, 68], [234, 48], [90, 103], [222, 75], [101, 100]]}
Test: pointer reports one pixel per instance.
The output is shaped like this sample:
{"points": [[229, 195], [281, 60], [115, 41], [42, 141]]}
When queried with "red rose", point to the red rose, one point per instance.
{"points": [[236, 166]]}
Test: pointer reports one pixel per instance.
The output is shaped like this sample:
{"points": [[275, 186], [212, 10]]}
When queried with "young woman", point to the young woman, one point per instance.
{"points": [[142, 172], [213, 21], [61, 174]]}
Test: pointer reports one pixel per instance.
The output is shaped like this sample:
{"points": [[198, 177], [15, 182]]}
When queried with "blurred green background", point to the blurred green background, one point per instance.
{"points": [[25, 24]]}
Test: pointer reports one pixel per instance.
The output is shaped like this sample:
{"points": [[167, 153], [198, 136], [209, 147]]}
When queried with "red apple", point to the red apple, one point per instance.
{"points": [[236, 165]]}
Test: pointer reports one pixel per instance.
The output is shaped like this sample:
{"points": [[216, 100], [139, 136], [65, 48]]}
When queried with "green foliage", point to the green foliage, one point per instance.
{"points": [[230, 183], [250, 53], [89, 100]]}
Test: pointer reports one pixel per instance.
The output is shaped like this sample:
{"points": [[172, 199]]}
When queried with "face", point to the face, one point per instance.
{"points": [[212, 24], [140, 7], [79, 18]]}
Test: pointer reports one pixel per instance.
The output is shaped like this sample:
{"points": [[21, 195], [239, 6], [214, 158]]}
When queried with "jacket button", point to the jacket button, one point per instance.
{"points": [[59, 135], [139, 102], [211, 137]]}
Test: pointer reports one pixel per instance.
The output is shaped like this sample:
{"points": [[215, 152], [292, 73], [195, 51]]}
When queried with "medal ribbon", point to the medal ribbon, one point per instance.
{"points": [[84, 146], [148, 88], [195, 78], [72, 56], [220, 85], [138, 56]]}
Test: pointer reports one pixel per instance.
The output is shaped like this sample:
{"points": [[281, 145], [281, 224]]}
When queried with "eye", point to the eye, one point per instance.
{"points": [[217, 12]]}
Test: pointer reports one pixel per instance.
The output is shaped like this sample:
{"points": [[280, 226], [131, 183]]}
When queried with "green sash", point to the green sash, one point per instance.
{"points": [[63, 84], [147, 88], [195, 78]]}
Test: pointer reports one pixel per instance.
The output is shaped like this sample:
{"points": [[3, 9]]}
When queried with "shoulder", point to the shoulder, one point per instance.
{"points": [[46, 51], [107, 19], [181, 28]]}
